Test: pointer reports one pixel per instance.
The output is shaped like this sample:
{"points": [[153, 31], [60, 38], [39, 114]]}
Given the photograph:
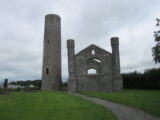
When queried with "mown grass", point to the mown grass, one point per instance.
{"points": [[147, 100], [47, 105]]}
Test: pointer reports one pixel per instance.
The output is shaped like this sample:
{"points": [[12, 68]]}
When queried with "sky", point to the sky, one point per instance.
{"points": [[85, 21]]}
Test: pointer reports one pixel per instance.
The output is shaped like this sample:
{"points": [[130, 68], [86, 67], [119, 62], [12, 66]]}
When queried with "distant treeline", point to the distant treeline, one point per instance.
{"points": [[150, 79], [36, 83]]}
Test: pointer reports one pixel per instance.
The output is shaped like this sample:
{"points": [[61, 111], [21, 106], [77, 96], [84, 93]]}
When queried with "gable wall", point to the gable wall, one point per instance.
{"points": [[85, 60]]}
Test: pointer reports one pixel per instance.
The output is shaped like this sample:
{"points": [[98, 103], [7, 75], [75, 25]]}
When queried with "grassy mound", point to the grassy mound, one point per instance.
{"points": [[147, 100], [47, 105]]}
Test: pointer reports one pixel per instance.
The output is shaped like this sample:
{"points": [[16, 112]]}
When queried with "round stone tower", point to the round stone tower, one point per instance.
{"points": [[51, 71]]}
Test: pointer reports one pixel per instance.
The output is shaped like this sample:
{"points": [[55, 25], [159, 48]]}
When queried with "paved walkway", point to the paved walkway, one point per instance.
{"points": [[121, 111]]}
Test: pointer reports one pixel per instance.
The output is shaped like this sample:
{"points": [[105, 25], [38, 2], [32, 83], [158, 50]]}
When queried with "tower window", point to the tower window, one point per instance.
{"points": [[93, 52], [47, 71], [47, 41]]}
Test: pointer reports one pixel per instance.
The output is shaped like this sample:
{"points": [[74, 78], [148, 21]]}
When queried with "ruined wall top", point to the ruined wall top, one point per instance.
{"points": [[114, 41], [70, 43]]}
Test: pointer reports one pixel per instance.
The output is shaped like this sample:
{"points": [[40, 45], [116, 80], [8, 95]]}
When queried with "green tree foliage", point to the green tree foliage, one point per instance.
{"points": [[5, 84], [18, 89], [150, 79], [64, 84], [156, 48]]}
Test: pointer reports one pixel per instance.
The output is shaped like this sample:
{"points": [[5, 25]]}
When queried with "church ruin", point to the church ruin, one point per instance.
{"points": [[106, 66]]}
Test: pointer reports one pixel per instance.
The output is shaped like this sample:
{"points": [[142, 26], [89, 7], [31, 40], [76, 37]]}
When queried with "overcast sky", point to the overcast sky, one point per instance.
{"points": [[85, 21]]}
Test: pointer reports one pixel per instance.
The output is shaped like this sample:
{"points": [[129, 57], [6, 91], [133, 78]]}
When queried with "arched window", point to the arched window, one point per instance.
{"points": [[47, 71], [92, 71]]}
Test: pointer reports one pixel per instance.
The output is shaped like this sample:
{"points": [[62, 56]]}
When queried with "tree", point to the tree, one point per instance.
{"points": [[5, 84], [156, 48]]}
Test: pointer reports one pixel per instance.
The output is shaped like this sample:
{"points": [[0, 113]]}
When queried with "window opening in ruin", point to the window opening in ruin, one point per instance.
{"points": [[94, 59], [92, 71], [93, 52], [97, 60], [47, 41], [47, 71]]}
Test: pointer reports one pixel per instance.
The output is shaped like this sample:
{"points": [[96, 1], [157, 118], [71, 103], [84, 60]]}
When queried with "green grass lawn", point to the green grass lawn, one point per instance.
{"points": [[48, 105], [147, 100]]}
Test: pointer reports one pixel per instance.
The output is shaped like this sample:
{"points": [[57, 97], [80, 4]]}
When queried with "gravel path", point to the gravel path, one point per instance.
{"points": [[121, 111]]}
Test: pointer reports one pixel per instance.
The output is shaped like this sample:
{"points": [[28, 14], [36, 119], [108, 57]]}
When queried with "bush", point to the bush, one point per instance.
{"points": [[18, 89], [150, 79]]}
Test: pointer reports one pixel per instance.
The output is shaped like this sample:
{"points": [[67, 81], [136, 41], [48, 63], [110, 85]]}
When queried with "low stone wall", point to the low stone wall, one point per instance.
{"points": [[94, 83]]}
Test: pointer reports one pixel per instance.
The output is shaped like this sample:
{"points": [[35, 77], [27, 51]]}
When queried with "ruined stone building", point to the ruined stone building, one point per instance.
{"points": [[51, 71], [105, 65]]}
